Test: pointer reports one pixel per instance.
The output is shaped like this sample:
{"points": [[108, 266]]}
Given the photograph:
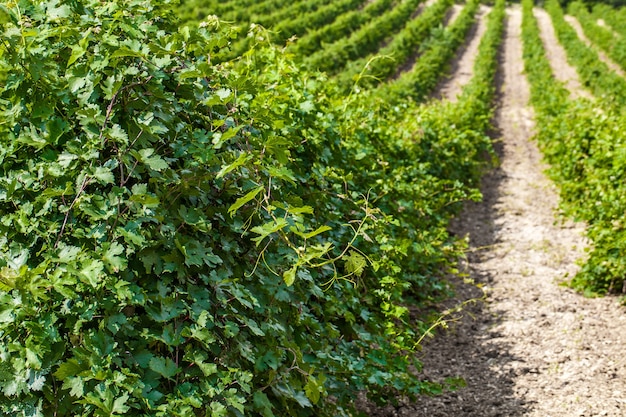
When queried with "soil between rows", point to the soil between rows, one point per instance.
{"points": [[531, 347]]}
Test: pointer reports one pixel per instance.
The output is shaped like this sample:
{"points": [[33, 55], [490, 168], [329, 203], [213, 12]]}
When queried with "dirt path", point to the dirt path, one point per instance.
{"points": [[557, 56], [421, 7], [452, 14], [533, 347], [462, 66], [603, 57]]}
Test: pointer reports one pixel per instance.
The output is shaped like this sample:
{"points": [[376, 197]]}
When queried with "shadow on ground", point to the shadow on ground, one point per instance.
{"points": [[471, 348]]}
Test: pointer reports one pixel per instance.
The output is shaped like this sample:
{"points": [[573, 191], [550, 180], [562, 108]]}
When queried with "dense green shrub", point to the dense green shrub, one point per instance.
{"points": [[183, 238]]}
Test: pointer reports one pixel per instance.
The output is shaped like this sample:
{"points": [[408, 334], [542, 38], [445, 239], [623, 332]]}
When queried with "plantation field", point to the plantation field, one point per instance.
{"points": [[312, 208]]}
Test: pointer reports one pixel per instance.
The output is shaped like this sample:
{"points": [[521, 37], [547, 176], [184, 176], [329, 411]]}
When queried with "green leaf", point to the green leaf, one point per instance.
{"points": [[267, 229], [262, 404], [119, 405], [103, 175], [91, 272], [76, 386], [154, 162], [122, 52], [218, 409], [317, 231], [289, 276], [32, 359], [8, 277], [243, 200], [69, 368], [60, 12], [282, 173], [37, 382], [312, 389], [242, 159], [220, 138], [164, 366], [302, 400], [307, 106], [77, 52], [355, 263], [114, 262], [207, 368], [5, 15]]}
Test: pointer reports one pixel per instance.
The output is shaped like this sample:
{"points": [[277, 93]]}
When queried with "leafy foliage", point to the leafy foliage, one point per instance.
{"points": [[613, 16], [372, 69], [594, 73], [304, 22], [343, 26], [601, 36], [365, 40], [423, 77], [583, 143], [183, 238]]}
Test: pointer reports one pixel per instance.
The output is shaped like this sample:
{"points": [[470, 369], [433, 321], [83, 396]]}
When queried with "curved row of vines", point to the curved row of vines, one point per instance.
{"points": [[196, 221], [583, 142]]}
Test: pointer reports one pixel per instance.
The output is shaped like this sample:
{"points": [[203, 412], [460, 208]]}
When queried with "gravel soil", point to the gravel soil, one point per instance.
{"points": [[528, 346]]}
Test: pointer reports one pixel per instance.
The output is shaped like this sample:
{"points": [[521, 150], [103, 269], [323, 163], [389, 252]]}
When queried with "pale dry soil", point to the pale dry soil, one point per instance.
{"points": [[531, 347]]}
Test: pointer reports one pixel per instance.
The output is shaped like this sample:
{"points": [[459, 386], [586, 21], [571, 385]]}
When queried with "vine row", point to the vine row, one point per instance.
{"points": [[365, 40], [342, 27], [583, 142], [373, 69], [422, 78]]}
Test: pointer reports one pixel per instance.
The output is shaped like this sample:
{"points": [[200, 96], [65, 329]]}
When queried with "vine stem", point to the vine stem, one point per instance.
{"points": [[69, 210]]}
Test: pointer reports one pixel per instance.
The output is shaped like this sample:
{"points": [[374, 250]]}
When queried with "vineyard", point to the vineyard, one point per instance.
{"points": [[312, 208]]}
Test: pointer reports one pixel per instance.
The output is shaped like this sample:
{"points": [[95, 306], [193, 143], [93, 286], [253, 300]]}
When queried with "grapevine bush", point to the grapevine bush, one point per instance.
{"points": [[184, 238]]}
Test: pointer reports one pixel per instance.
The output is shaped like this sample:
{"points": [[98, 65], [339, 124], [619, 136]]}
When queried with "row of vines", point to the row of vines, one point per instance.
{"points": [[583, 141], [196, 221], [184, 233]]}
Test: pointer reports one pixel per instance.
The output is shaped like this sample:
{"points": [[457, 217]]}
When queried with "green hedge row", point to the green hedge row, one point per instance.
{"points": [[365, 40], [183, 238], [267, 20], [297, 26], [375, 68], [583, 142], [423, 77], [614, 17], [603, 37], [340, 28], [593, 73]]}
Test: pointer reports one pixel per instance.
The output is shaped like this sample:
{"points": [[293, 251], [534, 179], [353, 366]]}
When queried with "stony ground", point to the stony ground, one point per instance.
{"points": [[532, 347]]}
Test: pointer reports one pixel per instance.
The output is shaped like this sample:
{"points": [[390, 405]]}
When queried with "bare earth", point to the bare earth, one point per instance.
{"points": [[532, 347]]}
